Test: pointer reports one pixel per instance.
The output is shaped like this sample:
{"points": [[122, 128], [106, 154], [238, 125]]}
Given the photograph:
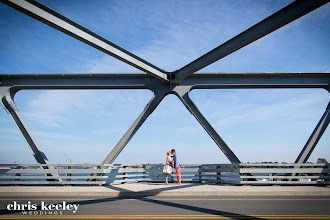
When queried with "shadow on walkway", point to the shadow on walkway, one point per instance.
{"points": [[124, 192], [150, 192]]}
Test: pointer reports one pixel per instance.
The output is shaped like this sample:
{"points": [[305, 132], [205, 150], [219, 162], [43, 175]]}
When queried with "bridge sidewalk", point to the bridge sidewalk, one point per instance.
{"points": [[154, 189]]}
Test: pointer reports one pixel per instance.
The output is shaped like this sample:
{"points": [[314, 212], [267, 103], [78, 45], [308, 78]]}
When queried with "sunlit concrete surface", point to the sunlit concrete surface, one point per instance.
{"points": [[154, 189]]}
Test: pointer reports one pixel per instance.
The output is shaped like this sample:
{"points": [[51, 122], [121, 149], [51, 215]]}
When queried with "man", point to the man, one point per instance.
{"points": [[177, 166]]}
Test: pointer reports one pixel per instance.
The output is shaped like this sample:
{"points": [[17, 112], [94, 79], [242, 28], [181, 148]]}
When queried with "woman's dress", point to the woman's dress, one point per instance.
{"points": [[168, 168]]}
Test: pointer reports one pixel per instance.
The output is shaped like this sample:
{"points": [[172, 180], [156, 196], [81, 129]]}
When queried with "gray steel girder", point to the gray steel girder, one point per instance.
{"points": [[183, 93], [143, 81], [6, 95], [315, 137], [277, 20], [54, 19], [149, 108]]}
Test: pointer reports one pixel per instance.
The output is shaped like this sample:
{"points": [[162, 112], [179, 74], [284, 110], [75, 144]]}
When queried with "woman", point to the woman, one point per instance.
{"points": [[167, 168]]}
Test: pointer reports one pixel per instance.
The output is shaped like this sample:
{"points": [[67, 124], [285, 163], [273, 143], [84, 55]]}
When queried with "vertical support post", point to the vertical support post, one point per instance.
{"points": [[124, 175], [218, 174], [144, 173], [18, 174], [7, 96], [68, 174], [200, 174], [183, 93], [315, 137]]}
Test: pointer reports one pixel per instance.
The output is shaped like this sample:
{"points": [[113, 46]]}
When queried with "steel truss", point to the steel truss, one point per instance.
{"points": [[160, 82]]}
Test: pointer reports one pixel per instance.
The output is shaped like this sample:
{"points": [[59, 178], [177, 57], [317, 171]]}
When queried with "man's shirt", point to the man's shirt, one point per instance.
{"points": [[177, 163]]}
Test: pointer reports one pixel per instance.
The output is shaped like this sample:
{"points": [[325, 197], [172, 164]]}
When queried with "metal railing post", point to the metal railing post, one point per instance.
{"points": [[144, 173], [68, 174], [172, 178], [124, 176], [218, 174], [18, 174]]}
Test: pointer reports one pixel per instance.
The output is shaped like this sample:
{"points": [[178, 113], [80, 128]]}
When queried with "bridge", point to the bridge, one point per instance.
{"points": [[162, 83]]}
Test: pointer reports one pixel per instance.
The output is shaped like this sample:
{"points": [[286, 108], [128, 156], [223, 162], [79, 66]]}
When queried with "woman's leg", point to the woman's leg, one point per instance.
{"points": [[166, 178], [164, 174]]}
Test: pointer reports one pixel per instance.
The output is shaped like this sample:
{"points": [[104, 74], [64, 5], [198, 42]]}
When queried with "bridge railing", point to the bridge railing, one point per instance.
{"points": [[105, 174]]}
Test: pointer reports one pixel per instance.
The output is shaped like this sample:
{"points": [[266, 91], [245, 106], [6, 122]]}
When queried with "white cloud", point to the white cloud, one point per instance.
{"points": [[261, 113], [49, 135], [107, 64], [259, 105], [55, 108], [49, 107]]}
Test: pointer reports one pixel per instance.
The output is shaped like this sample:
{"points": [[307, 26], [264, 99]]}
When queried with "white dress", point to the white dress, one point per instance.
{"points": [[168, 168]]}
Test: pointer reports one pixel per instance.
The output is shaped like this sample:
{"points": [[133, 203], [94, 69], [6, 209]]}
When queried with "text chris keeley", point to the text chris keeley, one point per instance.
{"points": [[47, 207]]}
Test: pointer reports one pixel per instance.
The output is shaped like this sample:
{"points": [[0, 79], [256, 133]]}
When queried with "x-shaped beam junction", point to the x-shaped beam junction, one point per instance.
{"points": [[162, 83]]}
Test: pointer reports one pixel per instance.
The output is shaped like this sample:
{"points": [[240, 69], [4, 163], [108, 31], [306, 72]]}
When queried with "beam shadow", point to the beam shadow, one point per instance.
{"points": [[150, 192], [182, 206], [218, 213], [145, 198]]}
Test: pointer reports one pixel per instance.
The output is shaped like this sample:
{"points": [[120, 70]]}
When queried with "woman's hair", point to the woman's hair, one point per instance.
{"points": [[167, 153]]}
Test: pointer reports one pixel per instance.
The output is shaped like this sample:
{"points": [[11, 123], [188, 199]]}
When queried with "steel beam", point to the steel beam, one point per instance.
{"points": [[78, 81], [150, 107], [257, 80], [143, 81], [183, 93], [315, 137], [282, 17], [6, 95], [54, 19]]}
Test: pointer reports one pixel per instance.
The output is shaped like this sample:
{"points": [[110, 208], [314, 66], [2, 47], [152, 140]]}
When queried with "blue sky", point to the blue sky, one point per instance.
{"points": [[258, 125]]}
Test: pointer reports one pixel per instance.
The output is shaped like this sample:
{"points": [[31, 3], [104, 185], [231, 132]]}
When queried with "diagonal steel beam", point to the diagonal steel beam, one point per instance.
{"points": [[150, 107], [7, 101], [183, 93], [54, 19], [6, 95], [315, 137], [268, 25]]}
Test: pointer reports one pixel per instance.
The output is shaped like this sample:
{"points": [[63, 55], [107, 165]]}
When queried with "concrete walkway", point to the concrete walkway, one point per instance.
{"points": [[153, 189]]}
